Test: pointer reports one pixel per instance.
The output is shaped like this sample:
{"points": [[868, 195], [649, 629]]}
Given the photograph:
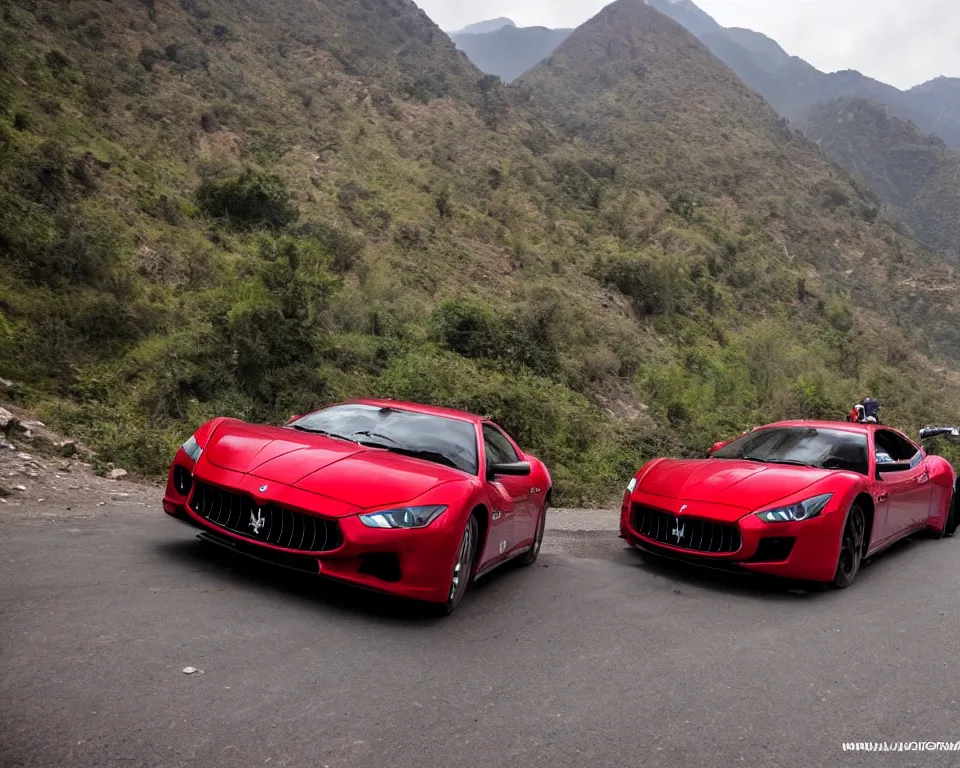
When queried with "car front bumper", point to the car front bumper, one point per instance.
{"points": [[806, 551], [413, 564]]}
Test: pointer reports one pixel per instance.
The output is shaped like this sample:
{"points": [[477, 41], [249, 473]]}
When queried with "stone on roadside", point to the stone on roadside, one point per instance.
{"points": [[68, 448], [117, 474], [5, 418]]}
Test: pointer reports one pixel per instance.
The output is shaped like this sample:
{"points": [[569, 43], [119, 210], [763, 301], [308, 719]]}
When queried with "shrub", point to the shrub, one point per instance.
{"points": [[474, 329], [251, 200], [344, 249], [654, 284]]}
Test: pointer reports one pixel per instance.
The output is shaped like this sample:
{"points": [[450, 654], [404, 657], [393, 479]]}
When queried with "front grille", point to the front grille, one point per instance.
{"points": [[689, 533], [270, 524]]}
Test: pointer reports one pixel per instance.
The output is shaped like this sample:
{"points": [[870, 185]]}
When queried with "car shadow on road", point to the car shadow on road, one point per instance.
{"points": [[255, 575], [749, 584]]}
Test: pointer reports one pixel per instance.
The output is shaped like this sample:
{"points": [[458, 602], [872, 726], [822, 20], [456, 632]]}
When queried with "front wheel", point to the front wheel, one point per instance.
{"points": [[851, 548], [530, 557], [462, 568]]}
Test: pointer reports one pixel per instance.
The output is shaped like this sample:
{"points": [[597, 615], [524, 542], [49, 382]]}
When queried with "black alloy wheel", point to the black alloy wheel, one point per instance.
{"points": [[851, 547], [462, 568], [530, 557]]}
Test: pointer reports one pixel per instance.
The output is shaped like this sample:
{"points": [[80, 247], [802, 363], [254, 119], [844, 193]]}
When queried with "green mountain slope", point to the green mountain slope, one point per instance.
{"points": [[917, 175], [228, 207]]}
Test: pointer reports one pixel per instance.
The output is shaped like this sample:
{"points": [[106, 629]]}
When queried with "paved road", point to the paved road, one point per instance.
{"points": [[594, 657]]}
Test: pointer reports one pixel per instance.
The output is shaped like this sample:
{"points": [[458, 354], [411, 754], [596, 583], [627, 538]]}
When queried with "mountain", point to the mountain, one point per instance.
{"points": [[793, 86], [664, 115], [251, 209], [936, 107], [483, 27], [918, 175], [509, 51]]}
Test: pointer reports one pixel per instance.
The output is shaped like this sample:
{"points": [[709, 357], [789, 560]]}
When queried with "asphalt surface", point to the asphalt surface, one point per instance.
{"points": [[593, 657]]}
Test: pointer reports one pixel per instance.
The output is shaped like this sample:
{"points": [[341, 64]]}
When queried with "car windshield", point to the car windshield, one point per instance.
{"points": [[805, 446], [450, 442]]}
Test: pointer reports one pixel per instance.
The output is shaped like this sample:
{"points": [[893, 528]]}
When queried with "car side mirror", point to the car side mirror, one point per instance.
{"points": [[516, 469], [951, 433]]}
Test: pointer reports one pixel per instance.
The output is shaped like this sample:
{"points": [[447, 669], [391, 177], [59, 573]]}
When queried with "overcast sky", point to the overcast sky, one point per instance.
{"points": [[902, 42]]}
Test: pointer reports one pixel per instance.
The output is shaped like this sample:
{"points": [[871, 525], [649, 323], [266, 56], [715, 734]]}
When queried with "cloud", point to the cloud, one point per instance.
{"points": [[902, 42]]}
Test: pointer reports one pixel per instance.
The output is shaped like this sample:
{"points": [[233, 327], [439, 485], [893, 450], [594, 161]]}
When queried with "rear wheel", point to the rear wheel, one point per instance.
{"points": [[530, 557], [462, 568], [851, 547]]}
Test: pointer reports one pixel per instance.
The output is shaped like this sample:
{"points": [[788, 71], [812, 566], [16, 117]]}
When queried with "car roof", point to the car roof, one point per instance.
{"points": [[430, 410], [844, 426]]}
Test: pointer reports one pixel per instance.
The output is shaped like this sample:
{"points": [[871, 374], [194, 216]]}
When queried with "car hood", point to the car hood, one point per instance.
{"points": [[337, 469], [745, 485]]}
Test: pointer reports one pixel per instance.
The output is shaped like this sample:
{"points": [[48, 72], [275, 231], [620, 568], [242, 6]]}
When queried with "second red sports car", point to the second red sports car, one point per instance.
{"points": [[406, 499], [804, 500]]}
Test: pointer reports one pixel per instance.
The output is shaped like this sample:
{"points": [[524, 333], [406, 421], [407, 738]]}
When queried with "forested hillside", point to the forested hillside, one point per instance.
{"points": [[242, 208]]}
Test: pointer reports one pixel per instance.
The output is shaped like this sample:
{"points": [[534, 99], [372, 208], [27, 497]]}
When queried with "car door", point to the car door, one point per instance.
{"points": [[513, 492], [908, 492]]}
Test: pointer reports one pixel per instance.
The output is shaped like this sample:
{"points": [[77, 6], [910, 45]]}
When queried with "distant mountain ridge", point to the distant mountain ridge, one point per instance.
{"points": [[916, 174], [483, 27], [505, 50], [793, 86]]}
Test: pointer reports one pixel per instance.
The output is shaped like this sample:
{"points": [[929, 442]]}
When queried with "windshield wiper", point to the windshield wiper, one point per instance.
{"points": [[368, 433], [789, 462], [432, 456], [323, 432]]}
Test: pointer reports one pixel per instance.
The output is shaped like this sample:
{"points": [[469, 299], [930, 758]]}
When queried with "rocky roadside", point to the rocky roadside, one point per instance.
{"points": [[45, 475]]}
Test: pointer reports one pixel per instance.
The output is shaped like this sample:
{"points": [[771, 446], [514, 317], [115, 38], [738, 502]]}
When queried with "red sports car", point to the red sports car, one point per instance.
{"points": [[407, 499], [802, 499]]}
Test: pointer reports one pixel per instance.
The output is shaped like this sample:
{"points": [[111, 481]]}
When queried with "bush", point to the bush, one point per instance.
{"points": [[344, 249], [251, 200], [654, 284], [474, 329]]}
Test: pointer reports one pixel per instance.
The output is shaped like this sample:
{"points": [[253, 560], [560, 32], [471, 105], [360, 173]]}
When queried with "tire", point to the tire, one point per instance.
{"points": [[851, 547], [950, 527], [462, 568], [530, 557]]}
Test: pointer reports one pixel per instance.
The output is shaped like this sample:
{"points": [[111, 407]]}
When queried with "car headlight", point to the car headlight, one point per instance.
{"points": [[192, 448], [404, 517], [802, 510], [632, 485]]}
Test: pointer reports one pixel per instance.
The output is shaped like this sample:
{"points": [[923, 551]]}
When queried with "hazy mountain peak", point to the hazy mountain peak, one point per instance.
{"points": [[484, 27], [509, 51], [691, 16]]}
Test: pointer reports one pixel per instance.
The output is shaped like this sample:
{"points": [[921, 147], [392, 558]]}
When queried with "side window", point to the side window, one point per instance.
{"points": [[891, 447], [498, 448]]}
